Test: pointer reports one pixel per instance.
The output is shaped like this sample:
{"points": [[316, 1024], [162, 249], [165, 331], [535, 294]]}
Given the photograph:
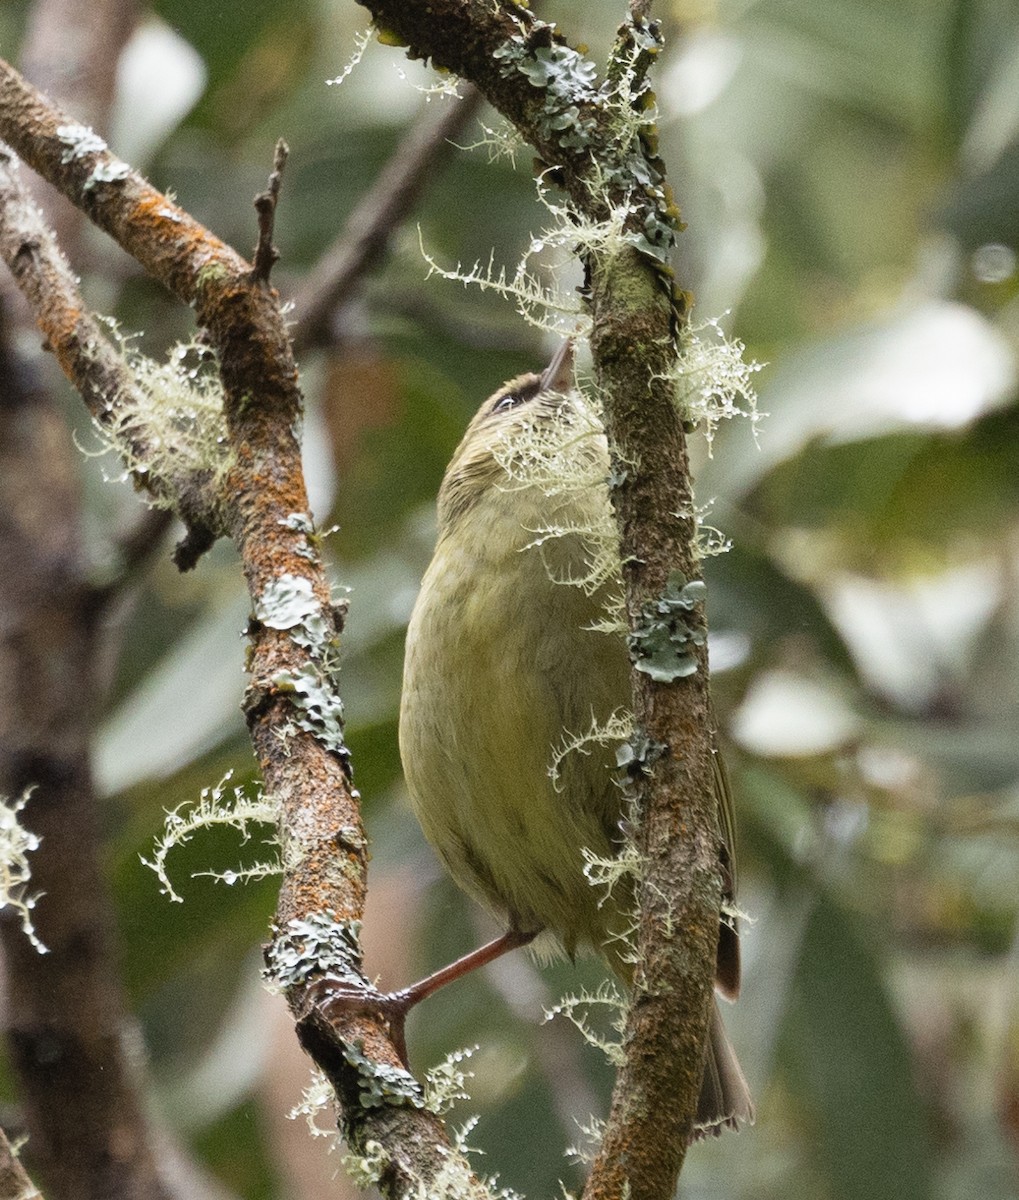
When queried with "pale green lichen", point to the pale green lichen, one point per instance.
{"points": [[446, 1082], [576, 1009], [568, 117], [593, 1130], [611, 873], [564, 454], [499, 142], [316, 1098], [612, 732], [217, 807], [211, 273], [367, 1168], [170, 429], [541, 306], [362, 41], [16, 843], [712, 381]]}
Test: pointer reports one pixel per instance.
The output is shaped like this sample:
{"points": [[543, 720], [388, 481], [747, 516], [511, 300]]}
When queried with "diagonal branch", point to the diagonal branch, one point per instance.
{"points": [[294, 715], [14, 1181], [380, 211]]}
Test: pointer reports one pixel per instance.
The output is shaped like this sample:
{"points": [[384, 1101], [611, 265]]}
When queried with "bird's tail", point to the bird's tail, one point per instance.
{"points": [[725, 1098]]}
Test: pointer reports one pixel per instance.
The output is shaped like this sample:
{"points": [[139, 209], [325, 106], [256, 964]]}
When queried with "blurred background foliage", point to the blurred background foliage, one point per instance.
{"points": [[849, 172]]}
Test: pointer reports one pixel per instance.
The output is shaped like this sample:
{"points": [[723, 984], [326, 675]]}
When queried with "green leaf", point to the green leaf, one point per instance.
{"points": [[850, 1067]]}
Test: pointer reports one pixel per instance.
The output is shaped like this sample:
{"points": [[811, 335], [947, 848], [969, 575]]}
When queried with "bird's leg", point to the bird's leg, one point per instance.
{"points": [[512, 939], [340, 995]]}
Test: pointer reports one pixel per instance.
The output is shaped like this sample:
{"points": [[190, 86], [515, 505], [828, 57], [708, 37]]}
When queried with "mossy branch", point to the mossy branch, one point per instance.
{"points": [[598, 143]]}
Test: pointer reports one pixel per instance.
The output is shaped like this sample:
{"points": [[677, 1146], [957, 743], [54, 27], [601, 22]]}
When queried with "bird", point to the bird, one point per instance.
{"points": [[509, 660]]}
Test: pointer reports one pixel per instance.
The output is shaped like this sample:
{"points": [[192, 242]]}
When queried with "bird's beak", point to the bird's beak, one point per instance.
{"points": [[558, 375]]}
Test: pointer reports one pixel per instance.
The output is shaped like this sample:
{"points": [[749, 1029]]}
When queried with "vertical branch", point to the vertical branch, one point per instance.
{"points": [[66, 1015], [266, 254], [598, 145]]}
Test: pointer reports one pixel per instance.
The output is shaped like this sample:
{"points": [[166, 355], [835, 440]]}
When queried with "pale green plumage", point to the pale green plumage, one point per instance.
{"points": [[503, 663], [490, 686]]}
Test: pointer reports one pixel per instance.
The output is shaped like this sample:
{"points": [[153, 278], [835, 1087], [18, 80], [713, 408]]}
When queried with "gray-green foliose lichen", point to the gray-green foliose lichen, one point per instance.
{"points": [[380, 1084], [318, 704], [313, 946], [665, 641], [289, 603], [321, 946], [301, 522], [628, 164], [80, 141], [636, 756], [113, 171]]}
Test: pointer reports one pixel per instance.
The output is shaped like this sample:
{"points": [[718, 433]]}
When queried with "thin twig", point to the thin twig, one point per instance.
{"points": [[370, 228], [14, 1181], [266, 254]]}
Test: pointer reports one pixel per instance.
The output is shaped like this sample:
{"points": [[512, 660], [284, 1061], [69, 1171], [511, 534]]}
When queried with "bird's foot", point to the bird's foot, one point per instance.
{"points": [[333, 995]]}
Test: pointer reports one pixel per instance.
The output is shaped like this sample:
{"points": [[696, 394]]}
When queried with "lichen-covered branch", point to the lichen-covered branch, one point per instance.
{"points": [[71, 52], [94, 365], [598, 143], [293, 711]]}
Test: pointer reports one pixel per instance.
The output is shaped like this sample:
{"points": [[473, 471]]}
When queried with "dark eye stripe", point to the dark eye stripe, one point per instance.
{"points": [[516, 397]]}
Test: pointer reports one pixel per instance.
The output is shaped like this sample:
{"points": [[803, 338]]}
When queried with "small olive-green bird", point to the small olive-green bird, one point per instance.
{"points": [[504, 664]]}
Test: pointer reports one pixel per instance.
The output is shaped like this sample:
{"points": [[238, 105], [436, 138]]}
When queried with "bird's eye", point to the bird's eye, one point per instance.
{"points": [[518, 392], [510, 400]]}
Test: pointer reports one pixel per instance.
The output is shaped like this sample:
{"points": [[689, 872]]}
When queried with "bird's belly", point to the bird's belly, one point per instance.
{"points": [[510, 672]]}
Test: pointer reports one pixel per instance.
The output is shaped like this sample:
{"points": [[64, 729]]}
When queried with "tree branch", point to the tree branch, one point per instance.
{"points": [[66, 1019], [266, 253], [601, 152], [71, 52], [80, 343], [14, 1181], [292, 709], [381, 210]]}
